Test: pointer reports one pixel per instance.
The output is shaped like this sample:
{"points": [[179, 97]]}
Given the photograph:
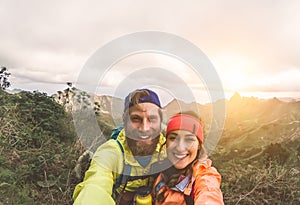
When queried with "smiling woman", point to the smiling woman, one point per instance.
{"points": [[191, 179], [182, 149]]}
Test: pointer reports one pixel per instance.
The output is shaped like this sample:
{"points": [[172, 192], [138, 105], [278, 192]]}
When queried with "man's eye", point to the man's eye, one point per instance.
{"points": [[135, 119], [152, 119]]}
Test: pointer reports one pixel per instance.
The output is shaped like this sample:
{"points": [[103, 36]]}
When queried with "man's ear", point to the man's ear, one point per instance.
{"points": [[125, 117]]}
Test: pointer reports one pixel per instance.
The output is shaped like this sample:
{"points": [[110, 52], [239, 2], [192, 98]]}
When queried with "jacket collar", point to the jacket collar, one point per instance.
{"points": [[128, 156], [182, 185]]}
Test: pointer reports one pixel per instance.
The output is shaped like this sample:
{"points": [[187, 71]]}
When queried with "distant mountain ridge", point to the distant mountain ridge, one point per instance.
{"points": [[249, 121], [257, 122]]}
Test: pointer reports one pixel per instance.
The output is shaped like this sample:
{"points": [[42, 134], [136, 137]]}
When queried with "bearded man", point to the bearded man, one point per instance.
{"points": [[119, 167]]}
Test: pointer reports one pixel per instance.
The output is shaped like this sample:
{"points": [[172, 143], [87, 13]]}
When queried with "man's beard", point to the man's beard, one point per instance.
{"points": [[140, 148]]}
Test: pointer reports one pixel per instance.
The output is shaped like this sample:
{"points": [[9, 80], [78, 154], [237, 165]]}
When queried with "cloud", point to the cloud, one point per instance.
{"points": [[50, 41], [287, 80]]}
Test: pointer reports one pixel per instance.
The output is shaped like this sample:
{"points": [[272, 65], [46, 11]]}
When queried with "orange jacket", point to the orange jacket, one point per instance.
{"points": [[204, 186]]}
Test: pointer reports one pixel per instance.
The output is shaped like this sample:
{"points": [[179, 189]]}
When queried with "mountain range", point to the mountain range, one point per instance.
{"points": [[249, 121]]}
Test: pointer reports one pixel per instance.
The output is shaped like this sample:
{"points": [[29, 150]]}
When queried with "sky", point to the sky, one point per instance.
{"points": [[253, 45]]}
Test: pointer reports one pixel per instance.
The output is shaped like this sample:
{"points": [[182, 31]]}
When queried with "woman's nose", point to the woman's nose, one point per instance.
{"points": [[180, 145]]}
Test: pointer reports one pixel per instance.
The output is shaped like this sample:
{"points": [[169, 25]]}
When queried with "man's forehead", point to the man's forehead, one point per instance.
{"points": [[144, 107]]}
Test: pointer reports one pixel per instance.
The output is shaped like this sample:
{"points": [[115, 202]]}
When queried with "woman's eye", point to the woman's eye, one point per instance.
{"points": [[190, 139], [172, 138]]}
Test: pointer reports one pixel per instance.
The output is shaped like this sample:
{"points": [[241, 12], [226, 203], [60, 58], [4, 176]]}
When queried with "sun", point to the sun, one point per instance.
{"points": [[234, 71], [235, 80]]}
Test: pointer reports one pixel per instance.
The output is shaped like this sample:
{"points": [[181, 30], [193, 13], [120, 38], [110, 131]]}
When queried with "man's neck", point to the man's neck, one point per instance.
{"points": [[143, 160]]}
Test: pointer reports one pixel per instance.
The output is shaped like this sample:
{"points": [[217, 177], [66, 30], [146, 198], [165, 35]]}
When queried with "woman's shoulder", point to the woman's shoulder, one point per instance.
{"points": [[205, 175], [202, 163], [203, 167]]}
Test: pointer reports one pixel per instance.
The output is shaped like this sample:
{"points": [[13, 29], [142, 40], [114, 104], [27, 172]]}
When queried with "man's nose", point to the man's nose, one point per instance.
{"points": [[146, 124]]}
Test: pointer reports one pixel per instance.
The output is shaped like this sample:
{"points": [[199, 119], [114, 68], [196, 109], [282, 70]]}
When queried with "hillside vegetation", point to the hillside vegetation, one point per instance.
{"points": [[38, 150], [258, 154]]}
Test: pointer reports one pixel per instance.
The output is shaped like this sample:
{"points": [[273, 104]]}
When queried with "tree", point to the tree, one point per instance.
{"points": [[4, 75]]}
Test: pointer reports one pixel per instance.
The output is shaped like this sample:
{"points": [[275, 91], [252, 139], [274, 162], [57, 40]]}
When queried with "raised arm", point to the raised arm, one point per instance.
{"points": [[207, 185], [96, 187]]}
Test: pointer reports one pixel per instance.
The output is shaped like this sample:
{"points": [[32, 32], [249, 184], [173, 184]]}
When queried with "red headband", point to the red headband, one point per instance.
{"points": [[186, 122]]}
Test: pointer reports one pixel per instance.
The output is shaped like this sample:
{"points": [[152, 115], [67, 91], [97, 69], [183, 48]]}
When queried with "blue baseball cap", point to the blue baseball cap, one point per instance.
{"points": [[151, 98]]}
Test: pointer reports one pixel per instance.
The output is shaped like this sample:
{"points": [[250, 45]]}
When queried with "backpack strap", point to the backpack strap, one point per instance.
{"points": [[122, 178], [189, 199], [115, 132], [125, 174]]}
